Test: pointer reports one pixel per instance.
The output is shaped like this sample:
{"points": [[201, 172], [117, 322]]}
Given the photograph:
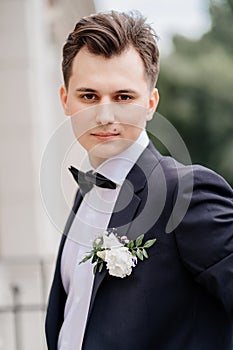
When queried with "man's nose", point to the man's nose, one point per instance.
{"points": [[105, 114]]}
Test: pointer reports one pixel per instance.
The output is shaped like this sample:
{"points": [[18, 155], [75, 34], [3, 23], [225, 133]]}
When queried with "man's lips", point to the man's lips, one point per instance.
{"points": [[104, 136]]}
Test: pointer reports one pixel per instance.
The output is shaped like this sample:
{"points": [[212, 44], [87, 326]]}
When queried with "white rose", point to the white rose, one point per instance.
{"points": [[119, 261]]}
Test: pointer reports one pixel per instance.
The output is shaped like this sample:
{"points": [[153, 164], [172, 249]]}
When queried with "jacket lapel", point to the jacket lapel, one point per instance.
{"points": [[128, 204], [121, 220], [57, 298]]}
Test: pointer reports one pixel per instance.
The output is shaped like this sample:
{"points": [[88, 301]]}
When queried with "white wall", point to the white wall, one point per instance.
{"points": [[31, 35]]}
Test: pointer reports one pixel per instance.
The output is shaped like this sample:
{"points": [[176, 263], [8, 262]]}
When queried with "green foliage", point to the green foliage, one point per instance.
{"points": [[136, 248], [196, 84], [139, 250]]}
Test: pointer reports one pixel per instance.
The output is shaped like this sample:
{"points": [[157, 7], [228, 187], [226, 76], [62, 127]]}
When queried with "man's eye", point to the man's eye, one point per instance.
{"points": [[123, 98], [89, 97]]}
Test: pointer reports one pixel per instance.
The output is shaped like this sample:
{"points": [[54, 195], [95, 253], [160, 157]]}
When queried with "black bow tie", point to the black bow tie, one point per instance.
{"points": [[87, 180]]}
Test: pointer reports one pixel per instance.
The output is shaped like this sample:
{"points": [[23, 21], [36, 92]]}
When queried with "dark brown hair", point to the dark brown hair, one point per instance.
{"points": [[109, 34]]}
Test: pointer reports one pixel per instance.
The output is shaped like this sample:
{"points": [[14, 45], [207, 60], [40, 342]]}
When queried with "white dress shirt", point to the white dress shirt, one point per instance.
{"points": [[90, 222]]}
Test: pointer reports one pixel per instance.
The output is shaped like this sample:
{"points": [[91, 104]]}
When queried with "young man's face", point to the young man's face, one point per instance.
{"points": [[109, 100]]}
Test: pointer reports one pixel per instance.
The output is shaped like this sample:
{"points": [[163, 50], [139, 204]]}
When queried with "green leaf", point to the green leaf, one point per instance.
{"points": [[139, 254], [139, 240], [101, 266], [94, 259], [149, 243], [130, 245], [95, 269], [144, 253], [86, 258]]}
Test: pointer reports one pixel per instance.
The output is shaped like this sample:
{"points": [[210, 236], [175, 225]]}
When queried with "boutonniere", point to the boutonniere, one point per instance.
{"points": [[118, 253]]}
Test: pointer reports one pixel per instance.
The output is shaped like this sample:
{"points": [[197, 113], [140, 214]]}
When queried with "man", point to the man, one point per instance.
{"points": [[181, 296]]}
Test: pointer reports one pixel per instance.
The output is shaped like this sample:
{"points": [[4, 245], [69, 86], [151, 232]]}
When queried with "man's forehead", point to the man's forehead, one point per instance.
{"points": [[125, 70], [129, 49]]}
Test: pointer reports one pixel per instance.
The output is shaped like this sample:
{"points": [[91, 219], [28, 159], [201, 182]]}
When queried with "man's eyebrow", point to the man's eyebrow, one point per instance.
{"points": [[123, 91], [126, 91], [85, 89]]}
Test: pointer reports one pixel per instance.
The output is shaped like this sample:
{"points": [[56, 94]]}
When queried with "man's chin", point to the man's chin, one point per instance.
{"points": [[107, 150]]}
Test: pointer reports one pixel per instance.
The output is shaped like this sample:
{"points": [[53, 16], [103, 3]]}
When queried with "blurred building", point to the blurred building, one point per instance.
{"points": [[32, 33]]}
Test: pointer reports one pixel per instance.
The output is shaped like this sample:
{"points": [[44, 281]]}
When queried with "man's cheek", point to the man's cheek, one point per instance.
{"points": [[82, 124]]}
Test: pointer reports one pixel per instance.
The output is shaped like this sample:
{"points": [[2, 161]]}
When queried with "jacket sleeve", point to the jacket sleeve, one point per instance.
{"points": [[205, 235]]}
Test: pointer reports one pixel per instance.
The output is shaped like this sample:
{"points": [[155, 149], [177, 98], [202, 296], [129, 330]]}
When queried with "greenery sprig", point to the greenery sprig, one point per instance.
{"points": [[100, 253]]}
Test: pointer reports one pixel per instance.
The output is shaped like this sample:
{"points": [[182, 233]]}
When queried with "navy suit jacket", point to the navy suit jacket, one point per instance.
{"points": [[181, 297]]}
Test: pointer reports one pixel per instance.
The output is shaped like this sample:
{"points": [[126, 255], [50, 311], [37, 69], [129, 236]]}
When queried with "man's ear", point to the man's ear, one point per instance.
{"points": [[63, 98], [153, 103]]}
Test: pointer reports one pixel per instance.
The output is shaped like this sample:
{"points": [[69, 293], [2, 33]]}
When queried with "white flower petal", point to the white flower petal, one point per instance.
{"points": [[111, 241], [119, 261], [101, 254]]}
